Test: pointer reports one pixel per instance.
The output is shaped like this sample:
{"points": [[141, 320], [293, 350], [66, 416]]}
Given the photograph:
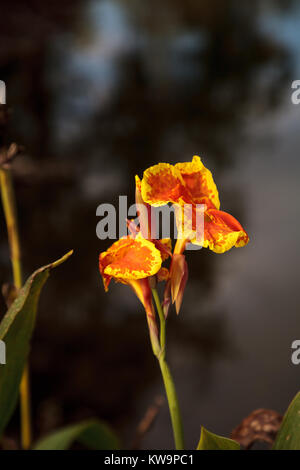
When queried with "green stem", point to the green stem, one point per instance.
{"points": [[168, 380], [9, 207], [173, 405]]}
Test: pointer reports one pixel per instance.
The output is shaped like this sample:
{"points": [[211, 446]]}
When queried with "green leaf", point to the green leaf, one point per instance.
{"points": [[288, 437], [93, 434], [210, 441], [16, 329]]}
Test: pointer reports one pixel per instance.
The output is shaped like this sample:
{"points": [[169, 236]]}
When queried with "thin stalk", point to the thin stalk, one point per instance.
{"points": [[9, 207], [25, 409], [168, 380], [173, 405]]}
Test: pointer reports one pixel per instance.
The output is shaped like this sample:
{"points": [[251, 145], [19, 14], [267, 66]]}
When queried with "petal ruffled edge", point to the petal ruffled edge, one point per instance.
{"points": [[129, 259], [222, 232], [199, 181], [163, 183]]}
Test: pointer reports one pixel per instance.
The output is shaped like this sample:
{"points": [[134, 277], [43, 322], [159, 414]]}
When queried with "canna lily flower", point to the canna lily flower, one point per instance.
{"points": [[132, 261], [191, 185], [128, 260]]}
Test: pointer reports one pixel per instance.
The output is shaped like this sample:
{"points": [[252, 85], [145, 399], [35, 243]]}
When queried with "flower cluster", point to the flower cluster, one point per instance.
{"points": [[137, 259]]}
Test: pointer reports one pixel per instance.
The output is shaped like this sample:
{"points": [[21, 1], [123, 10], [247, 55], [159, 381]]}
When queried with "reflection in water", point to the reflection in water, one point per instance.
{"points": [[102, 95]]}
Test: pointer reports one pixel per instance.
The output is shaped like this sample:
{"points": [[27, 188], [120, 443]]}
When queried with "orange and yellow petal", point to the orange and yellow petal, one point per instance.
{"points": [[129, 259], [222, 232], [138, 183], [199, 181], [107, 257], [163, 183], [105, 278], [104, 260]]}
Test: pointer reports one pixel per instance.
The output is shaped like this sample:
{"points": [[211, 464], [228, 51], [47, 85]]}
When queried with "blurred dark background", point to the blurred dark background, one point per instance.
{"points": [[99, 91]]}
